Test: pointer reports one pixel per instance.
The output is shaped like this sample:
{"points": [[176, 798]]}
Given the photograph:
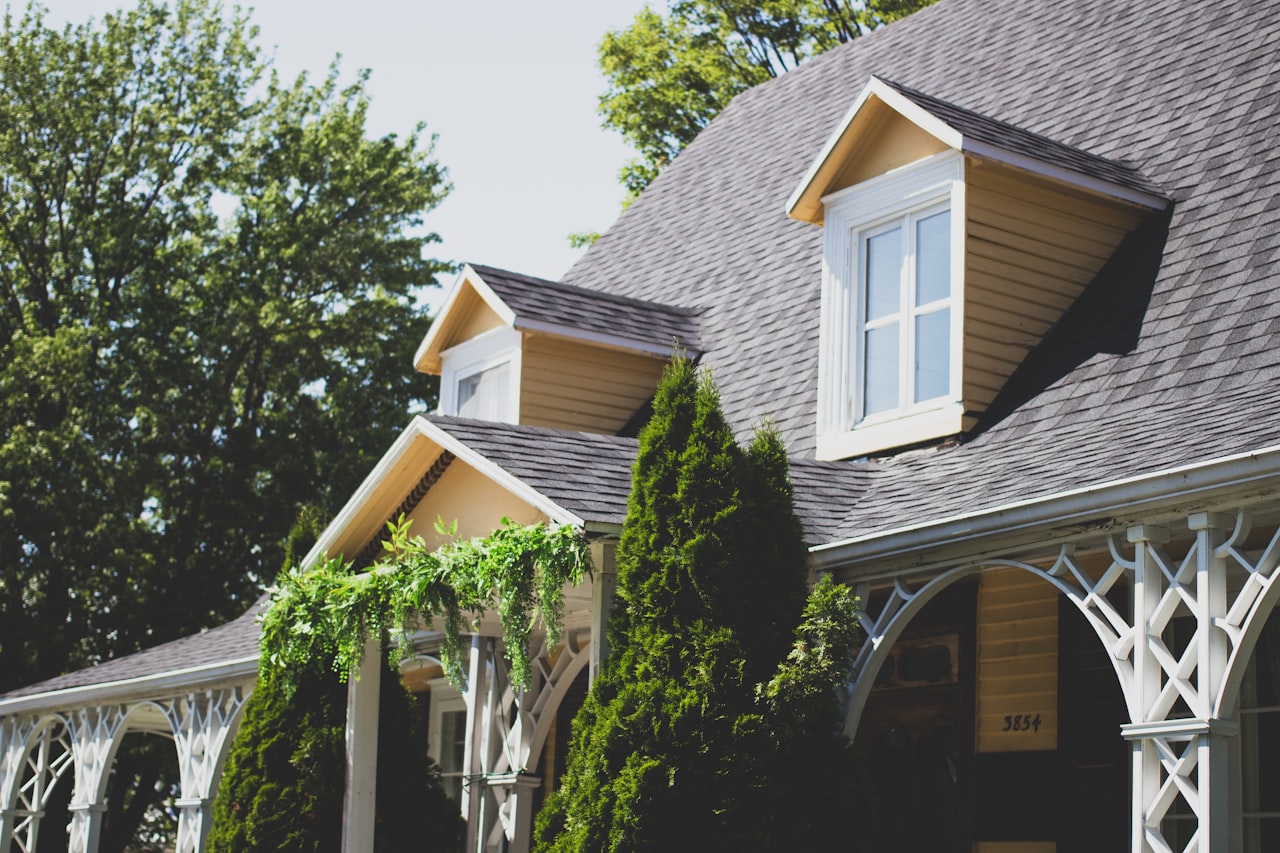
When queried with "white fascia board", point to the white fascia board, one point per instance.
{"points": [[909, 110], [1127, 495], [419, 429], [347, 515], [498, 474], [606, 340], [1070, 177], [141, 687], [486, 293]]}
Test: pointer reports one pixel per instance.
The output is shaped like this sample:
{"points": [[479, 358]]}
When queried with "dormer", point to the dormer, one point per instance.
{"points": [[952, 243], [518, 349]]}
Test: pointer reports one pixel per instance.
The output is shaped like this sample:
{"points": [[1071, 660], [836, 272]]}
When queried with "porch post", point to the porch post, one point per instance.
{"points": [[604, 587], [360, 799], [1214, 651], [1148, 588]]}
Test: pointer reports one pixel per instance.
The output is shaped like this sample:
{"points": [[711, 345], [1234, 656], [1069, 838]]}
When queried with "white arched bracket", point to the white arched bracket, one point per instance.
{"points": [[202, 725], [14, 735], [37, 755], [93, 734], [512, 728], [907, 595]]}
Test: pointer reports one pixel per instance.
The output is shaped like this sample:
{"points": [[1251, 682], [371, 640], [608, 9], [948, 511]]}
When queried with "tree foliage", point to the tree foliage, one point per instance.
{"points": [[284, 781], [208, 293], [713, 725], [670, 74]]}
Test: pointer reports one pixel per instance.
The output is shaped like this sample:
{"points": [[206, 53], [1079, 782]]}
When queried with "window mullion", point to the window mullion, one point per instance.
{"points": [[906, 361]]}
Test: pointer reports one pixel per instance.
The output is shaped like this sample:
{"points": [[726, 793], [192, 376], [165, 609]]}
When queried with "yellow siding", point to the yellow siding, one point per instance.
{"points": [[895, 142], [475, 319], [1017, 663], [475, 502], [572, 385], [1031, 247]]}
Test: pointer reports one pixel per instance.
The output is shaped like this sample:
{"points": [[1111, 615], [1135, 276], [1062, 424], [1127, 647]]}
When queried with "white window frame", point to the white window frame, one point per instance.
{"points": [[903, 195], [483, 352], [445, 698]]}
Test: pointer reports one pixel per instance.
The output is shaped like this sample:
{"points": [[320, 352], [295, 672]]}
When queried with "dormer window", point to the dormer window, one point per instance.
{"points": [[952, 244], [478, 377], [894, 261]]}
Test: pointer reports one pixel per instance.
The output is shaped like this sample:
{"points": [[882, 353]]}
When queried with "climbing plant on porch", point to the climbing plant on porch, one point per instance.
{"points": [[328, 611]]}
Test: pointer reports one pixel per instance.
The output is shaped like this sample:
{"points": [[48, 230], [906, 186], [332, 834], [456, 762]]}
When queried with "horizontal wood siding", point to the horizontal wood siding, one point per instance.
{"points": [[572, 385], [1031, 247], [1017, 663]]}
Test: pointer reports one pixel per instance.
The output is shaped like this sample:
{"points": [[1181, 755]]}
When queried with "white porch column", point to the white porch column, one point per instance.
{"points": [[93, 733], [483, 743], [1176, 756], [517, 795], [202, 726], [360, 800], [1148, 588], [1214, 651], [604, 587]]}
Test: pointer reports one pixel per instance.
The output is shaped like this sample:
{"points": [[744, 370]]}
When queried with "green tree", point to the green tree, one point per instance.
{"points": [[283, 784], [670, 74], [209, 283], [703, 729]]}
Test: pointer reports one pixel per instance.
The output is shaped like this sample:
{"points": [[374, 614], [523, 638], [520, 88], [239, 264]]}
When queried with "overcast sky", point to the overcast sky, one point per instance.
{"points": [[510, 88]]}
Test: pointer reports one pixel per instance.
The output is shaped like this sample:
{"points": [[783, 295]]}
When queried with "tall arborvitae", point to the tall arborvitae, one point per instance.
{"points": [[701, 730]]}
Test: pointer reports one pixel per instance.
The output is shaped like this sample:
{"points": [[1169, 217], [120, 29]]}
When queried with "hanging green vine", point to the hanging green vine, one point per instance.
{"points": [[328, 611]]}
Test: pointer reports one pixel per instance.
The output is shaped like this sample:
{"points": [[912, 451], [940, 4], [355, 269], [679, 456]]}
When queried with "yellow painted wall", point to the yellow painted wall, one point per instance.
{"points": [[475, 320], [890, 142], [572, 385], [1031, 247], [1017, 656], [477, 503]]}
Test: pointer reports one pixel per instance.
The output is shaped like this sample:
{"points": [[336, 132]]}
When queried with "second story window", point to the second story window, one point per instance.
{"points": [[890, 365], [905, 335], [480, 377]]}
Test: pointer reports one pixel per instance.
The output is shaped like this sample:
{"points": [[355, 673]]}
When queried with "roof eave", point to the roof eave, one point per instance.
{"points": [[805, 203], [1230, 477], [427, 357], [158, 685]]}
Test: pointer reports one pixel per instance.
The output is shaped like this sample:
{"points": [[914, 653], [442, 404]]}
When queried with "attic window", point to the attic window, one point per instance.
{"points": [[478, 378], [890, 367]]}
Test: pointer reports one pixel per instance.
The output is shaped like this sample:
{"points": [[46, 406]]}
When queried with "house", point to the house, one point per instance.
{"points": [[1006, 274]]}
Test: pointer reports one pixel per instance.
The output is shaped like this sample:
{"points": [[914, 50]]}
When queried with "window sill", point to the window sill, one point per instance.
{"points": [[910, 428]]}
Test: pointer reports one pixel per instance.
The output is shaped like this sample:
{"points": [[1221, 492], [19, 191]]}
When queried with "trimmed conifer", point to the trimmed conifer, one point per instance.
{"points": [[284, 781], [701, 730]]}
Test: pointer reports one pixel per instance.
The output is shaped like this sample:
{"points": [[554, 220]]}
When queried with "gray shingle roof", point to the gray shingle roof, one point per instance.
{"points": [[587, 474], [1167, 359], [235, 640], [1006, 136], [590, 475], [617, 316]]}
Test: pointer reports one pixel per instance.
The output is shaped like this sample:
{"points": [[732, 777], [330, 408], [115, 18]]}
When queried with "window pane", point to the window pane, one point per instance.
{"points": [[485, 394], [884, 263], [933, 355], [933, 258], [880, 374]]}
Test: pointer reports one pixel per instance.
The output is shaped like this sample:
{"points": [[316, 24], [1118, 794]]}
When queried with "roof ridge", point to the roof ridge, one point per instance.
{"points": [[592, 292]]}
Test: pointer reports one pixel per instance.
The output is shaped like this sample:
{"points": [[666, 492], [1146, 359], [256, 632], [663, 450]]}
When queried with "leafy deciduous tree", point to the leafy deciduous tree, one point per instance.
{"points": [[670, 74], [208, 296], [702, 731]]}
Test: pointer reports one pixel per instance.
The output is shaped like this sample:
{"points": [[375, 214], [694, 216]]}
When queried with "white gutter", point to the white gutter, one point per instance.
{"points": [[1126, 496], [142, 687]]}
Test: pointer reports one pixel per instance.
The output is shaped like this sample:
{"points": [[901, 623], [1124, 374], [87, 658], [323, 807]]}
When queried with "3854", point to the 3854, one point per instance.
{"points": [[1021, 723]]}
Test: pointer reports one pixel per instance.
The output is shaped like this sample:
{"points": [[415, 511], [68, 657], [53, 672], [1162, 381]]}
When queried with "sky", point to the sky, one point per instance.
{"points": [[510, 88]]}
